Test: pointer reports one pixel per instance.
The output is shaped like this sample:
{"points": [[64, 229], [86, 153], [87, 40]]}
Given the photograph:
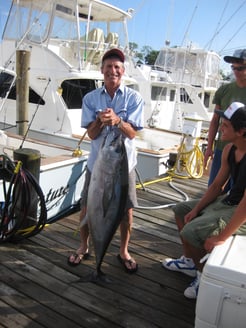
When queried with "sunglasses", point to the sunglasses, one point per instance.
{"points": [[239, 68]]}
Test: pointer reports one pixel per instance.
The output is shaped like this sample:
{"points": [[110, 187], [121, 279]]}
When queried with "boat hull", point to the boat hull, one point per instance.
{"points": [[61, 175], [62, 184]]}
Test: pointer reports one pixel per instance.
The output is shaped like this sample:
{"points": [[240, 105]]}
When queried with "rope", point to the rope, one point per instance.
{"points": [[23, 213], [189, 163]]}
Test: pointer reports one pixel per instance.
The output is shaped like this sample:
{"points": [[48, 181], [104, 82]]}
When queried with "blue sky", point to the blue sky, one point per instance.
{"points": [[218, 25], [183, 21]]}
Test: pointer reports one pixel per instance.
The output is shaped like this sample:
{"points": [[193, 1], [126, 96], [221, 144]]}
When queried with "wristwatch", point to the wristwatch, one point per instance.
{"points": [[119, 125]]}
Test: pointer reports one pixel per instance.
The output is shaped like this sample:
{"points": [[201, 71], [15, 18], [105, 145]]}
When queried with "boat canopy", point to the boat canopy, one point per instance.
{"points": [[42, 18], [190, 65]]}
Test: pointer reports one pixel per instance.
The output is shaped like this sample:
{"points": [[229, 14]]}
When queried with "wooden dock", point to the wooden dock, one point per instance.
{"points": [[39, 289]]}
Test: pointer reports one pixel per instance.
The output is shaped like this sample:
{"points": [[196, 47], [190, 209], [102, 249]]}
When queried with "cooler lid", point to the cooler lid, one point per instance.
{"points": [[227, 262]]}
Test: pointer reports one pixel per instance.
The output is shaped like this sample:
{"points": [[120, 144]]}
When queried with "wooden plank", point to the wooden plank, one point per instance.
{"points": [[56, 281]]}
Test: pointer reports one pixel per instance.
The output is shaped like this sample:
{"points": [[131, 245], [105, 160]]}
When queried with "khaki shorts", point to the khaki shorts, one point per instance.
{"points": [[211, 221], [132, 195]]}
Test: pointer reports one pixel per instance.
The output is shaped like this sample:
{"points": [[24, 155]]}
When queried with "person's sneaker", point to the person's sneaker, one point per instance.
{"points": [[183, 264], [192, 291]]}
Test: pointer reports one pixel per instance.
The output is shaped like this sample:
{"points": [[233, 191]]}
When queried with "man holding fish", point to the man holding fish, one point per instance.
{"points": [[113, 108]]}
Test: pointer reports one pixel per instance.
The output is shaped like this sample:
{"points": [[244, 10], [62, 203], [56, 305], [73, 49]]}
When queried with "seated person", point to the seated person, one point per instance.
{"points": [[208, 222]]}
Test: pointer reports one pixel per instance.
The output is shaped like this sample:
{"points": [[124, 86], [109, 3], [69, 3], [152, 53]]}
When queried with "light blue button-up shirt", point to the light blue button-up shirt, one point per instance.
{"points": [[127, 104]]}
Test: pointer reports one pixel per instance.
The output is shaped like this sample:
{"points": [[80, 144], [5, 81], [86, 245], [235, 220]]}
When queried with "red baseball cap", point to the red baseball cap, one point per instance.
{"points": [[115, 52]]}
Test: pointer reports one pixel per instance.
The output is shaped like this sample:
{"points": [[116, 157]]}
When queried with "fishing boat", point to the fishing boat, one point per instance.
{"points": [[66, 41], [58, 171], [182, 82]]}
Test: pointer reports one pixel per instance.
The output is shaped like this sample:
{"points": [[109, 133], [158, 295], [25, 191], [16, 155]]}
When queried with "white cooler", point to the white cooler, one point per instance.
{"points": [[221, 300]]}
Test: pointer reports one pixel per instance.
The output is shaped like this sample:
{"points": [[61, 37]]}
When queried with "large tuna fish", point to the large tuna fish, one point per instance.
{"points": [[107, 194]]}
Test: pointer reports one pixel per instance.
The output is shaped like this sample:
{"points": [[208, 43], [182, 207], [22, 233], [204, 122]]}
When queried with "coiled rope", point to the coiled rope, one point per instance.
{"points": [[23, 212], [189, 163]]}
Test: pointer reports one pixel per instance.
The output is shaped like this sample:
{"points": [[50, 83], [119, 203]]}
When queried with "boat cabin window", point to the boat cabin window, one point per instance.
{"points": [[5, 85], [184, 97], [6, 81], [206, 99], [158, 93], [73, 91], [34, 98], [172, 95]]}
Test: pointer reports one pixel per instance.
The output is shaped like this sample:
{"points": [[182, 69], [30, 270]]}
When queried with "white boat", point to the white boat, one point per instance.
{"points": [[182, 82], [61, 174], [178, 92], [60, 171], [66, 40]]}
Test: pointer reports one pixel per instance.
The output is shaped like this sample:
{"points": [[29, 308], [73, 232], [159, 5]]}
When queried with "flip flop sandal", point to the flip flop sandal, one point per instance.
{"points": [[77, 258], [130, 261]]}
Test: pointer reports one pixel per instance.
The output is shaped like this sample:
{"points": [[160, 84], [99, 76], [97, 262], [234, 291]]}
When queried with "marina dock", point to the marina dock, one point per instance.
{"points": [[39, 289]]}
